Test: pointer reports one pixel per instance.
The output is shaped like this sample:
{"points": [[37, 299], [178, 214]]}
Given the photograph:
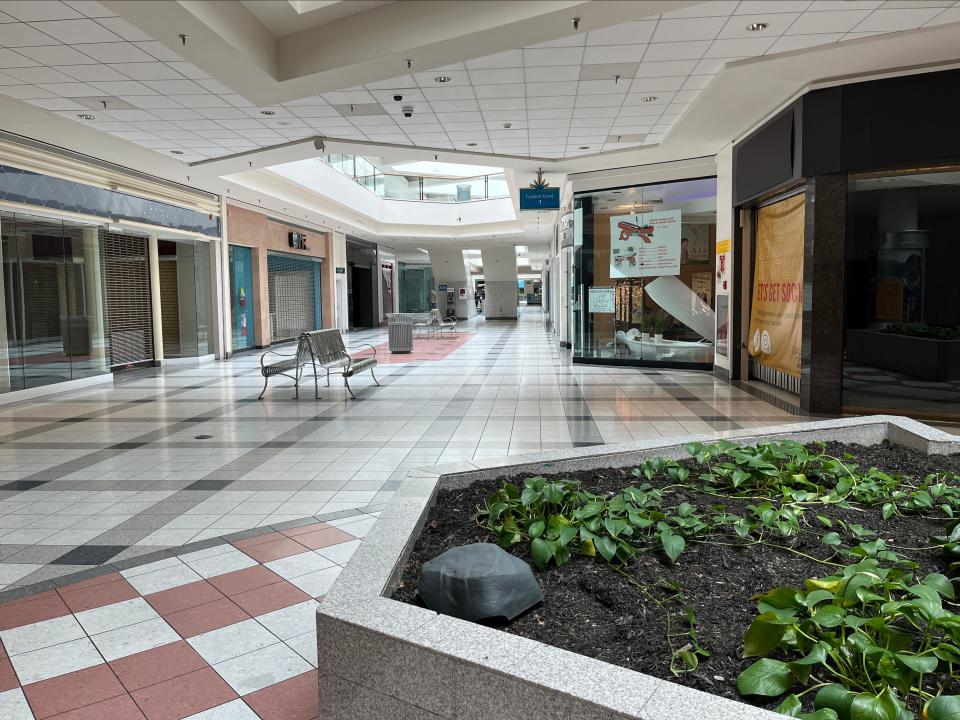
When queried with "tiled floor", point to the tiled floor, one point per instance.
{"points": [[112, 483]]}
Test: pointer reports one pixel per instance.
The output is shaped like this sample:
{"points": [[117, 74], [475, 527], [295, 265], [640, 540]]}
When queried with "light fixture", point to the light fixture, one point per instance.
{"points": [[87, 116], [648, 98], [176, 152], [183, 38], [442, 78], [282, 122], [268, 112], [584, 147], [757, 26], [507, 125], [471, 144]]}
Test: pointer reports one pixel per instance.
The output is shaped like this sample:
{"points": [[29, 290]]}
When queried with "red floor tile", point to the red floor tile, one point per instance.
{"points": [[73, 690], [324, 538], [119, 708], [180, 598], [3, 650], [240, 581], [8, 677], [36, 608], [89, 597], [91, 582], [270, 597], [304, 529], [284, 547], [184, 695], [258, 540], [153, 666], [203, 618], [294, 699]]}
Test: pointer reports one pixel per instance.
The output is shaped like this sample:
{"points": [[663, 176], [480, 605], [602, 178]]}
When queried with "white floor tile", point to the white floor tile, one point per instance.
{"points": [[316, 584], [40, 635], [297, 565], [233, 710], [262, 668], [13, 705], [163, 579], [116, 615], [231, 641], [56, 660], [290, 621], [305, 646], [133, 639]]}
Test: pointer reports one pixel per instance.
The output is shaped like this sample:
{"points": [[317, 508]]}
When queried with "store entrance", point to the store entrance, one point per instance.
{"points": [[360, 301]]}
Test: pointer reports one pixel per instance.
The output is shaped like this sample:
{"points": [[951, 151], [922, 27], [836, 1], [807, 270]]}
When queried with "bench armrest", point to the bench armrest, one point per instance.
{"points": [[360, 345], [278, 354]]}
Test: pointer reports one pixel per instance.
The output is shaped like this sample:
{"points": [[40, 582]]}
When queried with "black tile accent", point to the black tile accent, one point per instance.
{"points": [[127, 445], [209, 485], [90, 555], [23, 484]]}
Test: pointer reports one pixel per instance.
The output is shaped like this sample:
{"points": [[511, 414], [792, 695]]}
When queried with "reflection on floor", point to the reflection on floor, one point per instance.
{"points": [[870, 387]]}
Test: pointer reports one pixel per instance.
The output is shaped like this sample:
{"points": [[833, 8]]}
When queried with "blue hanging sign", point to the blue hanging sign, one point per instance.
{"points": [[540, 198]]}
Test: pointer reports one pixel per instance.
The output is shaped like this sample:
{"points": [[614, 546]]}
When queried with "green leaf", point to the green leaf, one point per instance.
{"points": [[607, 547], [536, 529], [835, 697], [762, 636], [790, 706], [828, 616], [817, 654], [615, 526], [888, 510], [832, 539], [765, 677], [817, 597], [541, 551], [940, 583], [867, 706], [825, 714], [919, 663], [945, 707], [672, 544]]}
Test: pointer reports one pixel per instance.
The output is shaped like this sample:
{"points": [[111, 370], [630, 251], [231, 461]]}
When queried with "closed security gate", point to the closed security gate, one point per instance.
{"points": [[294, 295], [126, 287]]}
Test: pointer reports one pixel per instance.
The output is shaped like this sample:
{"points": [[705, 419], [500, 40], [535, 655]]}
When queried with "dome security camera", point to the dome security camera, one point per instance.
{"points": [[408, 111], [398, 97]]}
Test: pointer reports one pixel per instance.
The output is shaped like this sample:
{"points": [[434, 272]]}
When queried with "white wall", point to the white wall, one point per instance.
{"points": [[500, 281], [338, 251], [724, 232], [450, 269]]}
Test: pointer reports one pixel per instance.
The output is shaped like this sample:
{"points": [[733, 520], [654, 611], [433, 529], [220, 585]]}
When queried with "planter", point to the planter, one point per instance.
{"points": [[383, 658], [918, 357]]}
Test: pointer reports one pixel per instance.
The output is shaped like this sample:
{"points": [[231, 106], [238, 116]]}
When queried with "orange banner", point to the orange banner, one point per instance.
{"points": [[776, 314]]}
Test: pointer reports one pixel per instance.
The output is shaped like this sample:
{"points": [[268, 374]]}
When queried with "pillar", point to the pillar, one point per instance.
{"points": [[338, 253], [500, 281], [153, 259], [4, 347], [221, 307], [93, 297]]}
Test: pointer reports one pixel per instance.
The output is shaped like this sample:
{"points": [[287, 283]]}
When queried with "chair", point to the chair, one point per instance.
{"points": [[328, 352], [290, 362], [443, 323], [425, 322]]}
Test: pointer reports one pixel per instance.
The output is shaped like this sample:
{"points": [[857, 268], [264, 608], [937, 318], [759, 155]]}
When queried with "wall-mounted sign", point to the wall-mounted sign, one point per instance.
{"points": [[645, 244], [463, 293], [442, 288], [341, 271], [297, 240], [602, 299], [566, 230], [578, 227], [540, 198]]}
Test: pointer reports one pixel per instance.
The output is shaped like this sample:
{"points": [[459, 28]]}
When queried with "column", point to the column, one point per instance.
{"points": [[338, 253], [223, 311], [4, 346], [93, 296], [500, 281], [450, 269], [153, 258]]}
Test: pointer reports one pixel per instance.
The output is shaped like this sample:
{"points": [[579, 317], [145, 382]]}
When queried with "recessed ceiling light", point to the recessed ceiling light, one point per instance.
{"points": [[267, 112], [584, 147], [282, 122], [471, 144], [757, 26], [649, 98], [507, 125], [176, 152], [86, 116], [442, 78]]}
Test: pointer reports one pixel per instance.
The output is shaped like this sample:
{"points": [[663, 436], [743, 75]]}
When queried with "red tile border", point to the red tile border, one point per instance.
{"points": [[270, 597], [8, 676], [324, 538], [157, 665], [92, 582], [207, 617], [240, 581], [71, 691], [119, 708], [284, 547], [257, 540], [295, 699], [185, 695], [303, 529], [183, 597], [36, 608], [94, 596]]}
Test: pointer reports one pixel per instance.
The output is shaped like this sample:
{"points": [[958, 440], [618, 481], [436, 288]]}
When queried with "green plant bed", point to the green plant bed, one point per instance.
{"points": [[801, 579]]}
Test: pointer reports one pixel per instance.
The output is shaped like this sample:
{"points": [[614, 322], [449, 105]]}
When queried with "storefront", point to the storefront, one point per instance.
{"points": [[81, 266], [241, 297], [294, 287], [846, 250], [363, 284], [416, 281], [640, 274]]}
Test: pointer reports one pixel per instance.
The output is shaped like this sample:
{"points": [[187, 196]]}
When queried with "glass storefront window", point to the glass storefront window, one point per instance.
{"points": [[52, 324], [416, 282], [241, 296], [902, 307], [643, 276], [185, 297]]}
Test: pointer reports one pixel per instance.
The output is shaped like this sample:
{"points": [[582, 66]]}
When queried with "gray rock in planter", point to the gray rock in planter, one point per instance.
{"points": [[479, 582]]}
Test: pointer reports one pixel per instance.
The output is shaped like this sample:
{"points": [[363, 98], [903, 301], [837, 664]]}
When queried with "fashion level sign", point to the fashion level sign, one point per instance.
{"points": [[776, 314], [645, 244]]}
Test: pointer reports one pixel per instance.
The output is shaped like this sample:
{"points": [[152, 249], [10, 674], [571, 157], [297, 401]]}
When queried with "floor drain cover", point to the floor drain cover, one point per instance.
{"points": [[202, 437]]}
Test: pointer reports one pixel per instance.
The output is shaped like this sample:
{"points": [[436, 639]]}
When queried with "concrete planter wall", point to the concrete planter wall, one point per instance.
{"points": [[921, 358], [379, 658]]}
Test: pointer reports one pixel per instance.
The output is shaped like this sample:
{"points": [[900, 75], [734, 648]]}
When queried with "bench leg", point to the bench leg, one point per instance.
{"points": [[266, 379], [374, 377], [346, 382]]}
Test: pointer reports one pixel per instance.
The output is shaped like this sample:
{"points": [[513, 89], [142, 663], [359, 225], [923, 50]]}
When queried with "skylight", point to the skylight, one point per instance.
{"points": [[456, 170]]}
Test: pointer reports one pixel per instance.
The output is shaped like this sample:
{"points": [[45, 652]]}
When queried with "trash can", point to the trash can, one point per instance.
{"points": [[400, 332]]}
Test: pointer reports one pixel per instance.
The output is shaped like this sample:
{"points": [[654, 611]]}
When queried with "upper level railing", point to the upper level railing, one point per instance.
{"points": [[418, 187]]}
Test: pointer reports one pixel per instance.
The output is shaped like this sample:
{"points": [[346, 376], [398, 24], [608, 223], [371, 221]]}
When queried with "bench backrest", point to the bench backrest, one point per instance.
{"points": [[326, 345]]}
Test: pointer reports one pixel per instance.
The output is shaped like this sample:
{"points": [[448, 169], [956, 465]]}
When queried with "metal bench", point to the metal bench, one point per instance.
{"points": [[289, 363], [328, 352], [442, 323]]}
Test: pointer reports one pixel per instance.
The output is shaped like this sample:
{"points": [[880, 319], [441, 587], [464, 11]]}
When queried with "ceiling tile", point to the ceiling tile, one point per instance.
{"points": [[71, 32], [614, 54], [600, 100], [666, 68], [577, 40], [777, 24], [157, 51], [454, 105], [799, 42], [637, 32], [237, 101], [705, 9], [214, 86], [547, 74], [448, 93], [496, 75], [553, 123], [552, 56], [697, 82], [241, 124], [678, 30], [449, 120], [595, 112], [692, 50], [502, 104], [130, 115], [752, 7], [90, 8], [150, 102], [124, 87], [72, 89], [838, 21], [686, 96], [38, 75], [549, 102], [607, 86], [120, 52], [29, 10], [154, 70], [885, 20], [58, 104], [508, 59], [747, 47], [503, 90], [177, 114], [14, 35], [818, 5], [124, 29], [427, 79], [178, 87], [56, 55], [501, 115], [222, 113], [91, 73], [551, 88], [947, 16], [314, 111], [9, 58], [348, 97]]}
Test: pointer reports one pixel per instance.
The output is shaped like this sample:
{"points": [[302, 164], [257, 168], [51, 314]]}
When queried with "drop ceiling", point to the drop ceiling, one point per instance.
{"points": [[597, 91]]}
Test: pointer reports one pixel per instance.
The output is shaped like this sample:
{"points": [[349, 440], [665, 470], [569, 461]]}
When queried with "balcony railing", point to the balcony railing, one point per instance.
{"points": [[417, 187]]}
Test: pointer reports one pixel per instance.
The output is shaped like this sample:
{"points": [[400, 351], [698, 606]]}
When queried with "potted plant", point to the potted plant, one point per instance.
{"points": [[646, 325], [660, 322]]}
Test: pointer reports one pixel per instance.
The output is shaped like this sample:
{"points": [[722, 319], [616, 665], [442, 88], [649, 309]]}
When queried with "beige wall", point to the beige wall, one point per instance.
{"points": [[254, 230]]}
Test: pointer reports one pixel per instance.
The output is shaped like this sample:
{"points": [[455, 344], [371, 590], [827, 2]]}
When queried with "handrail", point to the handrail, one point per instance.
{"points": [[419, 187]]}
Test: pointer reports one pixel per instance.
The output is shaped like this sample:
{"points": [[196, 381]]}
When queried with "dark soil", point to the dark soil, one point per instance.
{"points": [[591, 609]]}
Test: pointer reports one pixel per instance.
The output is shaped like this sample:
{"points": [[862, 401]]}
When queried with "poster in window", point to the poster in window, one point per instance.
{"points": [[694, 244], [645, 244], [702, 285], [723, 323], [776, 314]]}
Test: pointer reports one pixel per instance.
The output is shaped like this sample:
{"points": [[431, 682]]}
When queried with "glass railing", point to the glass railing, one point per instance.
{"points": [[416, 187]]}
